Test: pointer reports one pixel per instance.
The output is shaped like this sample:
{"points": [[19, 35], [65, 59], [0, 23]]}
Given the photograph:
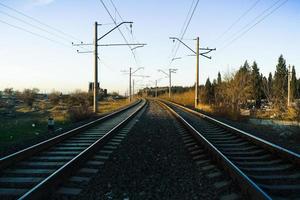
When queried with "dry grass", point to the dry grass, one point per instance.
{"points": [[185, 98], [206, 108], [111, 105]]}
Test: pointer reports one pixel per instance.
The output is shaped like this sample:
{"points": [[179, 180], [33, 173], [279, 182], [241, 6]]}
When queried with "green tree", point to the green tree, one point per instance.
{"points": [[294, 92], [8, 91], [28, 96], [256, 81], [298, 86], [279, 86], [208, 92], [219, 79], [270, 80]]}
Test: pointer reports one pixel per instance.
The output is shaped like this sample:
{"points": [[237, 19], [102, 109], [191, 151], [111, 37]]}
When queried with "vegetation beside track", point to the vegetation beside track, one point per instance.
{"points": [[28, 124]]}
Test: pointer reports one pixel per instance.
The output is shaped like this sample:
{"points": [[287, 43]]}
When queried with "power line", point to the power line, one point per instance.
{"points": [[118, 29], [187, 25], [185, 21], [39, 22], [35, 34], [252, 21], [251, 27], [34, 26], [130, 31], [134, 40], [238, 20]]}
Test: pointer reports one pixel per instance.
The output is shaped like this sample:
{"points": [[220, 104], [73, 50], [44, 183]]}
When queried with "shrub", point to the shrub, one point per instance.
{"points": [[78, 113]]}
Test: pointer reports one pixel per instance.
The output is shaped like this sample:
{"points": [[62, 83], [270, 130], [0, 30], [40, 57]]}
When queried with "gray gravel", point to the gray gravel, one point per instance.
{"points": [[151, 163]]}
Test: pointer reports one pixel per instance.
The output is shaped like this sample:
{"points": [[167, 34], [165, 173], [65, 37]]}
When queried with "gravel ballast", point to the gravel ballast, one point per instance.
{"points": [[151, 163]]}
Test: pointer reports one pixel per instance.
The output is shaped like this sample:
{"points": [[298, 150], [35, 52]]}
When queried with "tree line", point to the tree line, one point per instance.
{"points": [[248, 87]]}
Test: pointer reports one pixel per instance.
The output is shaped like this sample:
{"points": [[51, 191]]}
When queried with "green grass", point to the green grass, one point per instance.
{"points": [[19, 129]]}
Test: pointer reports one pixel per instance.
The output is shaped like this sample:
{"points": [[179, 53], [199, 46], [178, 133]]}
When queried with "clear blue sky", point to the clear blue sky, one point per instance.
{"points": [[27, 61]]}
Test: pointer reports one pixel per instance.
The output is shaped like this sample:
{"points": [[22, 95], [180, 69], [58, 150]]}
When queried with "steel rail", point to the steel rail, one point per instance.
{"points": [[248, 187], [273, 148], [44, 187], [29, 151]]}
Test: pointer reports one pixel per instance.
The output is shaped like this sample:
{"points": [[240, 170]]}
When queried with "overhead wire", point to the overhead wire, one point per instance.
{"points": [[39, 22], [41, 26], [184, 32], [248, 28], [181, 31], [34, 26], [118, 13], [129, 46], [35, 34], [128, 30], [237, 20]]}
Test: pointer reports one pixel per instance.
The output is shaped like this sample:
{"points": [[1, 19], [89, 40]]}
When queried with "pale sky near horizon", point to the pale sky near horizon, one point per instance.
{"points": [[27, 61]]}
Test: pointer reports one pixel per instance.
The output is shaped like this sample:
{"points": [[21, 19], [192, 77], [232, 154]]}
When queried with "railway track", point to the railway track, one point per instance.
{"points": [[37, 171], [261, 170]]}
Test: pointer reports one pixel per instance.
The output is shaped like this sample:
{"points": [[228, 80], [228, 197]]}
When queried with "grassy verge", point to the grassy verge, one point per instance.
{"points": [[188, 99], [29, 126], [108, 106]]}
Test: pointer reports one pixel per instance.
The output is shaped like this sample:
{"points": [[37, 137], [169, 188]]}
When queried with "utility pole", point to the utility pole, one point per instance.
{"points": [[170, 78], [155, 88], [96, 57], [289, 87], [131, 73], [197, 74], [95, 102], [197, 53], [129, 84], [133, 89]]}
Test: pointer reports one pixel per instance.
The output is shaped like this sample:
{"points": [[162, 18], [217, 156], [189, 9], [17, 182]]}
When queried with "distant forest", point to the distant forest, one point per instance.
{"points": [[247, 87]]}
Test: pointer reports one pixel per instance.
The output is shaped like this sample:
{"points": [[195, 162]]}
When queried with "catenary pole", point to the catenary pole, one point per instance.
{"points": [[155, 88], [129, 84], [96, 69], [197, 74], [169, 83]]}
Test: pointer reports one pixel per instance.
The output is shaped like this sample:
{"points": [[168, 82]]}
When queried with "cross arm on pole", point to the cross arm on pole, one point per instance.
{"points": [[160, 70], [138, 46], [81, 44], [113, 29], [175, 38], [135, 44], [84, 51], [143, 76], [173, 70], [137, 70], [203, 54]]}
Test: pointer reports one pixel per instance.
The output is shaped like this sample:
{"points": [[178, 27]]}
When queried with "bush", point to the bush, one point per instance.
{"points": [[78, 113], [28, 96], [54, 97], [78, 106]]}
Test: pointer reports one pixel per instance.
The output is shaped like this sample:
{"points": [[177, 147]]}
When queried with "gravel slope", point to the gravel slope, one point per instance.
{"points": [[151, 163]]}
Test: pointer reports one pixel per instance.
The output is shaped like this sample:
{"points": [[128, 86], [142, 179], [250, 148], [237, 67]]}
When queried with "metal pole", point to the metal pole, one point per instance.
{"points": [[155, 88], [130, 84], [197, 74], [169, 83], [289, 87], [132, 88], [96, 70]]}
